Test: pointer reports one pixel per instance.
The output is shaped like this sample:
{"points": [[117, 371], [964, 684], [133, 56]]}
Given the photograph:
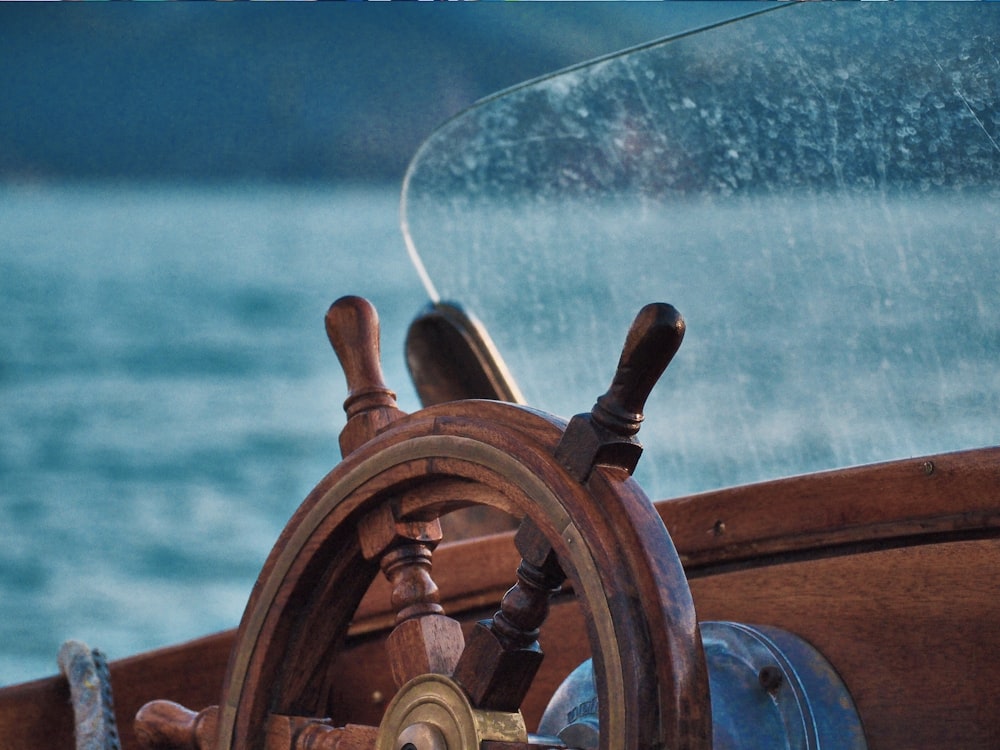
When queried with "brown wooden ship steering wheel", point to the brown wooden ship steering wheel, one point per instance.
{"points": [[586, 524]]}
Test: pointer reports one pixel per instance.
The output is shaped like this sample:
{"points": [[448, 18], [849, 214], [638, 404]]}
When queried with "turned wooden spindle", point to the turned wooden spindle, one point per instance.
{"points": [[525, 606], [424, 640], [165, 725], [502, 656], [606, 436], [353, 330], [414, 593]]}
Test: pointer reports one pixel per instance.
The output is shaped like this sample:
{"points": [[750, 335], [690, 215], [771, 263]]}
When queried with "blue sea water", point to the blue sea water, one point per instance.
{"points": [[168, 396]]}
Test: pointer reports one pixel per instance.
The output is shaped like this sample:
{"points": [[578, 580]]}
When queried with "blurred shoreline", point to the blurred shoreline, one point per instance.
{"points": [[286, 92]]}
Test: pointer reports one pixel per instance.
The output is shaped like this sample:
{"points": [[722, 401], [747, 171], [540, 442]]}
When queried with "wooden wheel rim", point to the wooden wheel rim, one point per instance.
{"points": [[508, 451]]}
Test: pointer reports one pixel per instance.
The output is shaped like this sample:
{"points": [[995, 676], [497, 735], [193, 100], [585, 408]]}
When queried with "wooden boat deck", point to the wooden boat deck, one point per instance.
{"points": [[889, 570]]}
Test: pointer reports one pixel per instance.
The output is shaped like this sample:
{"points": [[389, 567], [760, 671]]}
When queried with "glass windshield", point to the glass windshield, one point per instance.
{"points": [[816, 189]]}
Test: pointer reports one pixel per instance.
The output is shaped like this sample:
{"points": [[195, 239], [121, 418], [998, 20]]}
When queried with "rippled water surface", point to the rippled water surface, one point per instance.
{"points": [[168, 397]]}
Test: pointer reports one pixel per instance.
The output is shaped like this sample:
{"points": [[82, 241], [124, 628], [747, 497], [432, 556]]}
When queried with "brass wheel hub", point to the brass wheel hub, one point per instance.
{"points": [[431, 712]]}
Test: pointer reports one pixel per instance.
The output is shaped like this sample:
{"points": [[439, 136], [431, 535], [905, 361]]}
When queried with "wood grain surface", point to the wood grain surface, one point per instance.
{"points": [[889, 570]]}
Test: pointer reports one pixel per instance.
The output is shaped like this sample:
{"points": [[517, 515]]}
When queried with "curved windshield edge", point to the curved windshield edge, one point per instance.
{"points": [[734, 12], [819, 203]]}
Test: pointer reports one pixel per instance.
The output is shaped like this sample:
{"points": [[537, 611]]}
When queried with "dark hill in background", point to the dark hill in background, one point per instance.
{"points": [[276, 91]]}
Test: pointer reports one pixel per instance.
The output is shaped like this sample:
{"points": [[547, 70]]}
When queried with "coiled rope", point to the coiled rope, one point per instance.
{"points": [[86, 670]]}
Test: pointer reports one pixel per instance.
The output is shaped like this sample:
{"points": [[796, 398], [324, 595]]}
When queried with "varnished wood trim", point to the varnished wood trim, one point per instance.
{"points": [[901, 503]]}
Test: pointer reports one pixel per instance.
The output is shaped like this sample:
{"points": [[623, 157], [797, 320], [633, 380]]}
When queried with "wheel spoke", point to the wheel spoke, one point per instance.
{"points": [[424, 640], [502, 657], [164, 724]]}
